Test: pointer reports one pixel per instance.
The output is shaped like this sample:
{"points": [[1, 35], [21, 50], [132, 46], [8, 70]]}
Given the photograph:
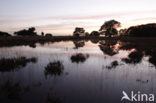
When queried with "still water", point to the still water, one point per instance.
{"points": [[76, 72]]}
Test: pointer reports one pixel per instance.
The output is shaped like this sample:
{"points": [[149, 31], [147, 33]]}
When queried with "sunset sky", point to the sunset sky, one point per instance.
{"points": [[60, 17]]}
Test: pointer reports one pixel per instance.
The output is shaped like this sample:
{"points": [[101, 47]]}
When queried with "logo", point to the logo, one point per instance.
{"points": [[140, 97]]}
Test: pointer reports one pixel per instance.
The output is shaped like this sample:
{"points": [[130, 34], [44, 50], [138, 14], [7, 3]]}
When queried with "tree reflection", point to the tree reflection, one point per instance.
{"points": [[51, 98], [32, 45], [79, 43], [142, 49], [107, 47], [114, 64], [152, 55], [94, 41], [54, 68], [14, 64], [79, 58], [10, 91], [133, 58]]}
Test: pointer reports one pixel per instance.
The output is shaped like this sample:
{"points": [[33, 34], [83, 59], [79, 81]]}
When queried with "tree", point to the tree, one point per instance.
{"points": [[32, 29], [24, 32], [42, 33], [79, 32], [109, 28], [48, 35], [122, 32], [95, 33], [87, 34]]}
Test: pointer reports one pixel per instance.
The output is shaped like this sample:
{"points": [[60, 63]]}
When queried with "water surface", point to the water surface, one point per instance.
{"points": [[76, 72]]}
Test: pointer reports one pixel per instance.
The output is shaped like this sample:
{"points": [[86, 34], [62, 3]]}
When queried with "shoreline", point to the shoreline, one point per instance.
{"points": [[31, 40]]}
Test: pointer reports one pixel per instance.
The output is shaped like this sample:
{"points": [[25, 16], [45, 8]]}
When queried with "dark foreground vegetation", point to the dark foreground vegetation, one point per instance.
{"points": [[13, 64], [54, 68]]}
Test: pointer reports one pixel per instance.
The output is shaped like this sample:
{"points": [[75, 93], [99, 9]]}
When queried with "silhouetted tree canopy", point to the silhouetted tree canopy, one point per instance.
{"points": [[29, 32], [79, 32], [42, 33], [122, 32], [109, 28], [95, 33], [147, 30], [111, 31], [87, 34], [4, 34], [109, 24], [48, 35]]}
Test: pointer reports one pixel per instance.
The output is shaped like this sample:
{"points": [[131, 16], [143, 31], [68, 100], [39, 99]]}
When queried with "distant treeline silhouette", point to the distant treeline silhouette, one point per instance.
{"points": [[108, 29], [148, 30], [24, 32], [4, 34], [29, 32]]}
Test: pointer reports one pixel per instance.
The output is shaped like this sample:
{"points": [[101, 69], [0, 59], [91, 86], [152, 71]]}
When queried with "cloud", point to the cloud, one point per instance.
{"points": [[144, 19], [85, 17], [102, 16]]}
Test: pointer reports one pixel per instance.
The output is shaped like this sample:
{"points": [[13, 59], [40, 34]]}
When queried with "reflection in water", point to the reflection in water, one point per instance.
{"points": [[88, 82], [13, 64], [32, 45], [12, 91], [142, 81], [107, 47], [152, 54], [113, 65], [133, 58], [141, 50], [79, 58], [79, 43], [51, 98], [94, 41], [54, 68]]}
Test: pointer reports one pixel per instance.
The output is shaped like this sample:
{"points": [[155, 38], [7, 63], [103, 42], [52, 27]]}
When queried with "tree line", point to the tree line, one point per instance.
{"points": [[108, 29], [26, 32]]}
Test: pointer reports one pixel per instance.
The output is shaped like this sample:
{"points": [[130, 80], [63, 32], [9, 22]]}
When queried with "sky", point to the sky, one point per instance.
{"points": [[60, 17]]}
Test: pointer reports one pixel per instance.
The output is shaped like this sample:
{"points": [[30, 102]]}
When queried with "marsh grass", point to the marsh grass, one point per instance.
{"points": [[54, 68], [14, 64]]}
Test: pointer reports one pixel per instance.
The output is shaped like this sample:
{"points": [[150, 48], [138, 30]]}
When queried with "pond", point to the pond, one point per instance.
{"points": [[76, 71]]}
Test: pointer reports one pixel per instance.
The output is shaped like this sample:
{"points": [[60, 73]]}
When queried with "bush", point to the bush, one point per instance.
{"points": [[48, 35], [95, 33]]}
